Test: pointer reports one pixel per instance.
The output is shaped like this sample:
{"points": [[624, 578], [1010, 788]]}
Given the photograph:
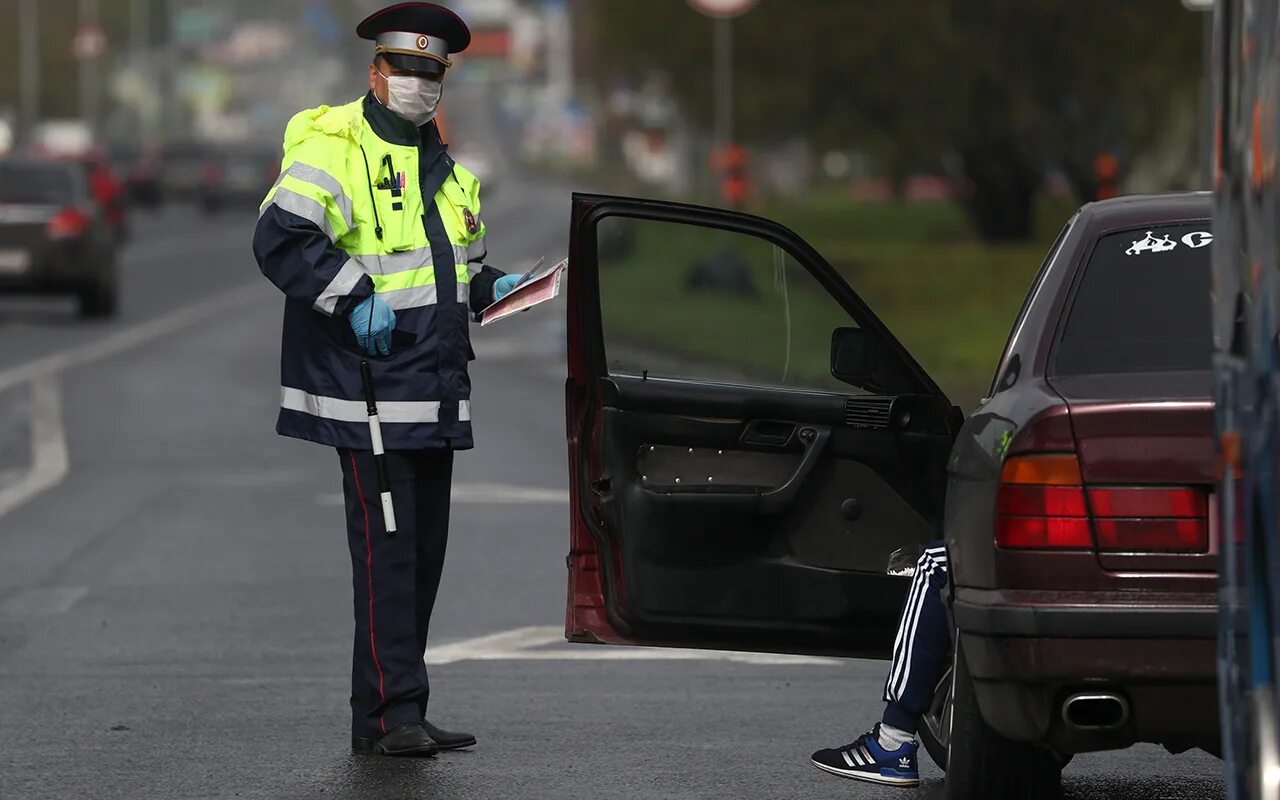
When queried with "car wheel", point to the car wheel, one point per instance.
{"points": [[983, 764], [935, 725], [98, 299]]}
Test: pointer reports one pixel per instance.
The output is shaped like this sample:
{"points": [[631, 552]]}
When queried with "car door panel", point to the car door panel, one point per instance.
{"points": [[738, 515]]}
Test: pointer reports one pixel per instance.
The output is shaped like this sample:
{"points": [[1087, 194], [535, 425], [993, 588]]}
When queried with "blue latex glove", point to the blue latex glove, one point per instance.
{"points": [[372, 322], [503, 286]]}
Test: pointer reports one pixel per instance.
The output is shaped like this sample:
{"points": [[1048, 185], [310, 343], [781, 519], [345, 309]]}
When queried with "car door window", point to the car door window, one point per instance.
{"points": [[692, 302]]}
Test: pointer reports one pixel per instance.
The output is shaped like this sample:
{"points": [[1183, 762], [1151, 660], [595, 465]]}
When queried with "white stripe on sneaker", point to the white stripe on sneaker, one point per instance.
{"points": [[847, 760], [870, 777]]}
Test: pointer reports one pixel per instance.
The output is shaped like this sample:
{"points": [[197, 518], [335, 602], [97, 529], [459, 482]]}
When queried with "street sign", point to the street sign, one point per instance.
{"points": [[89, 42], [724, 9]]}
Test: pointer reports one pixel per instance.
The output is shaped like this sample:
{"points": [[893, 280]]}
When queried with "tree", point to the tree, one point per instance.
{"points": [[1004, 89]]}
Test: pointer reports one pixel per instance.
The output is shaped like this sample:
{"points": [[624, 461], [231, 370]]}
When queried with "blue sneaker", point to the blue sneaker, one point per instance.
{"points": [[866, 760]]}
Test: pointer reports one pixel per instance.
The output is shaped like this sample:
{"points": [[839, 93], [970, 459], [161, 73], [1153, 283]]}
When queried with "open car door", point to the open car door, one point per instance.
{"points": [[755, 462]]}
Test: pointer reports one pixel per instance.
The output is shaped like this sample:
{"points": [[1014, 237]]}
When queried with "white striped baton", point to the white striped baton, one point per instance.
{"points": [[379, 455]]}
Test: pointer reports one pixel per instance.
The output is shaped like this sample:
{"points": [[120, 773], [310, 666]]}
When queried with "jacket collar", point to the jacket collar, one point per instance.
{"points": [[387, 125], [394, 129]]}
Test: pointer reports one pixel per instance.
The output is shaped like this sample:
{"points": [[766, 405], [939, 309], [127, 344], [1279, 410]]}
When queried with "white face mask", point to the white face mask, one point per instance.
{"points": [[413, 98]]}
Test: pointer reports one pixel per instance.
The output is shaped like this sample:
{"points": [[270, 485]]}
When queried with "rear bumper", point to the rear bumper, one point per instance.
{"points": [[1084, 615], [62, 267], [1027, 657]]}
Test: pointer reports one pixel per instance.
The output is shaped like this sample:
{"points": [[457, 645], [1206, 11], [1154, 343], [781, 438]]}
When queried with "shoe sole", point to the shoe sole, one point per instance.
{"points": [[411, 752], [459, 746], [905, 783], [379, 750]]}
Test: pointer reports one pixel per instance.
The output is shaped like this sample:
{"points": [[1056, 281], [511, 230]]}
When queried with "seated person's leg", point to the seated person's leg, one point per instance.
{"points": [[887, 753]]}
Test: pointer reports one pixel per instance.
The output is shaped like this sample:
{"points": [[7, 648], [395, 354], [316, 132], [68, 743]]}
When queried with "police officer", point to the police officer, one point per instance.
{"points": [[374, 235]]}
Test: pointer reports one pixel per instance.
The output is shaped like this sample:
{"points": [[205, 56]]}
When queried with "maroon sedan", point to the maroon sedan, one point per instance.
{"points": [[748, 493]]}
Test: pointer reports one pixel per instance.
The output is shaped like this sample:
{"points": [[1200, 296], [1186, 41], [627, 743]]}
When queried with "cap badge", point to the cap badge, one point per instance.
{"points": [[422, 43]]}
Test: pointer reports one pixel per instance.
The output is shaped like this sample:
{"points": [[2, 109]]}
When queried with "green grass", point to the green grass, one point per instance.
{"points": [[947, 296]]}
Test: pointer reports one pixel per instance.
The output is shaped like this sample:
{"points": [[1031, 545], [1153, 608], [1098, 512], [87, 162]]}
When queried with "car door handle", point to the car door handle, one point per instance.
{"points": [[768, 433], [814, 440]]}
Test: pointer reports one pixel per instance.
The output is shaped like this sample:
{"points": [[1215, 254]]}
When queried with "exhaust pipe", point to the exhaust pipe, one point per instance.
{"points": [[1095, 711]]}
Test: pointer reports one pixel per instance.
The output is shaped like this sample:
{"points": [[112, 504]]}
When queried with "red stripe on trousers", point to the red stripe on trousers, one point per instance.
{"points": [[368, 548]]}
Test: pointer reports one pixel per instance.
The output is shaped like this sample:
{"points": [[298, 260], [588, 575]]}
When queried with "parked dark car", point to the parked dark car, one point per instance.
{"points": [[54, 238], [754, 510], [141, 168], [238, 178], [105, 185]]}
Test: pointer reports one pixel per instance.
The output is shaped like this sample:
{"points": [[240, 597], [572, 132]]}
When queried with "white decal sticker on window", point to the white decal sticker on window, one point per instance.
{"points": [[1150, 244], [1197, 239]]}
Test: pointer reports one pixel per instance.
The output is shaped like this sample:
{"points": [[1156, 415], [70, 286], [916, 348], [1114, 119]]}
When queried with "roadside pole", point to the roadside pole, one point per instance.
{"points": [[1204, 175], [722, 46], [139, 47], [727, 158], [29, 65], [87, 46]]}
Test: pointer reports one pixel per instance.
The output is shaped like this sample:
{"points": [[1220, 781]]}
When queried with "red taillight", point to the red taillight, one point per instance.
{"points": [[68, 223], [1148, 501], [1150, 519], [1041, 504], [1041, 501], [1152, 535], [1044, 533]]}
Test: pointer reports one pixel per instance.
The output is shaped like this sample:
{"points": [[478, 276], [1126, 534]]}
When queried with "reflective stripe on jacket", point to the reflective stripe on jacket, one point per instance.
{"points": [[367, 203]]}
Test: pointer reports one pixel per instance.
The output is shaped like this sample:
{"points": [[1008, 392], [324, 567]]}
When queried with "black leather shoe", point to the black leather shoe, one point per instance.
{"points": [[406, 741], [447, 740]]}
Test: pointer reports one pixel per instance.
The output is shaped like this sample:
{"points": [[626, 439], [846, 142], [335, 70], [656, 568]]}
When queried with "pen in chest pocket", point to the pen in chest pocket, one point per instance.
{"points": [[394, 182]]}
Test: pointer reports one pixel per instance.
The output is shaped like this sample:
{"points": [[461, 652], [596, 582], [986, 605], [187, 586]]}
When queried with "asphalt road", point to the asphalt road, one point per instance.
{"points": [[175, 615]]}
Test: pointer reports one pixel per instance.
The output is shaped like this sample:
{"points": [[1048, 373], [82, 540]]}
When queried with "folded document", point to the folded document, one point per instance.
{"points": [[538, 285]]}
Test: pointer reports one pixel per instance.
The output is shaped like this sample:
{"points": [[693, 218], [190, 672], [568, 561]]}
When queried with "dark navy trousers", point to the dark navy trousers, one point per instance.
{"points": [[394, 581], [923, 643]]}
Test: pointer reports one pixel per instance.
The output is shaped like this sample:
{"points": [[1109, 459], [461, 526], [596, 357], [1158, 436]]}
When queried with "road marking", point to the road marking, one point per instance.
{"points": [[42, 602], [483, 493], [49, 460], [546, 643], [506, 494], [131, 337]]}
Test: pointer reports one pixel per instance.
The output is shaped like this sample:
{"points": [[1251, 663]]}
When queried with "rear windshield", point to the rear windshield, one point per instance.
{"points": [[1142, 305], [36, 184]]}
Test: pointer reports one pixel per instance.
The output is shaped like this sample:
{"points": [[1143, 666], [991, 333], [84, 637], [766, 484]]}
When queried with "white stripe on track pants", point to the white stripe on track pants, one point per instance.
{"points": [[922, 644]]}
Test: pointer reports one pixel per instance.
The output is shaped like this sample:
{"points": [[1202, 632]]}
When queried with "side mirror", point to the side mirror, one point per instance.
{"points": [[853, 356]]}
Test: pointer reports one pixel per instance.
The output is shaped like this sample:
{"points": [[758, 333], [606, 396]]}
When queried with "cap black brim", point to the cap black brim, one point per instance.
{"points": [[424, 66]]}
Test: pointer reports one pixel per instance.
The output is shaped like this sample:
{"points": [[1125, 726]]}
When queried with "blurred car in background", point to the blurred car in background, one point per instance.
{"points": [[61, 137], [70, 141], [238, 178], [54, 237], [108, 191], [184, 164], [141, 168]]}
